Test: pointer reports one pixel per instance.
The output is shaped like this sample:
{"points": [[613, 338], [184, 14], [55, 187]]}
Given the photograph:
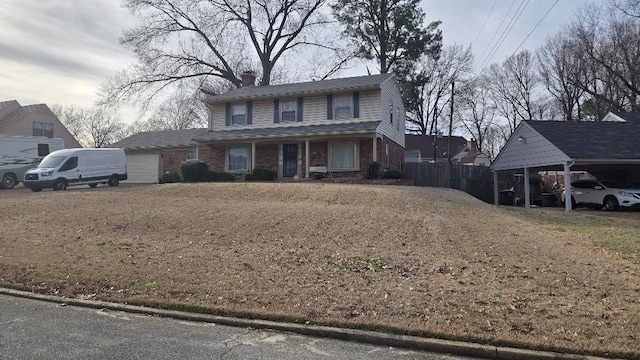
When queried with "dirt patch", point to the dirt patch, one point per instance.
{"points": [[421, 261]]}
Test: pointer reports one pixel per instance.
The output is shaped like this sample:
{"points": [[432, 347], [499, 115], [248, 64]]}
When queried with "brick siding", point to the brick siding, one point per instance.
{"points": [[267, 157]]}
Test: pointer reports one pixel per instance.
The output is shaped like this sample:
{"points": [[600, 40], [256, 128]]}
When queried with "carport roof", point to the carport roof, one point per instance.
{"points": [[159, 139], [592, 139], [289, 131]]}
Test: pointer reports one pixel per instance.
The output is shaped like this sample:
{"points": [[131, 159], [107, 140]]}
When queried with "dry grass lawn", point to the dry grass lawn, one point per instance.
{"points": [[421, 261]]}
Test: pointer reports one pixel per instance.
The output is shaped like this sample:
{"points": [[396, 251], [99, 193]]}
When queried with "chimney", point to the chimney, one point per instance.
{"points": [[248, 78], [471, 147]]}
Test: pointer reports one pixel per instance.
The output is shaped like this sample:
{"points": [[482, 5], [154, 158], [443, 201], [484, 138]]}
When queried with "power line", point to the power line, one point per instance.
{"points": [[485, 23], [535, 27], [507, 30], [495, 33]]}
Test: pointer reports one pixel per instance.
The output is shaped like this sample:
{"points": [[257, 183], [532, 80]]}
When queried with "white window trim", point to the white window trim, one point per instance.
{"points": [[192, 149], [335, 103], [356, 144], [295, 110], [226, 159]]}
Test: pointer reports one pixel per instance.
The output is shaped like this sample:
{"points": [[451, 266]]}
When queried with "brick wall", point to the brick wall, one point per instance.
{"points": [[366, 155], [318, 153], [395, 157], [214, 157], [267, 157], [172, 158]]}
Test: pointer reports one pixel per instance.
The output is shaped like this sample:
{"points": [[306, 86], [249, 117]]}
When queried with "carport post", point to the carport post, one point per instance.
{"points": [[495, 188], [527, 189], [253, 156], [567, 188]]}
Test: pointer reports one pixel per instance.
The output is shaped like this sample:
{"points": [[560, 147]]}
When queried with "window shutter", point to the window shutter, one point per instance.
{"points": [[227, 114], [249, 112], [329, 106], [276, 110], [356, 104], [299, 114]]}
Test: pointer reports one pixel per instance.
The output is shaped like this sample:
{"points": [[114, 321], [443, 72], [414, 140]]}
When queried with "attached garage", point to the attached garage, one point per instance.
{"points": [[608, 149], [143, 168], [152, 153]]}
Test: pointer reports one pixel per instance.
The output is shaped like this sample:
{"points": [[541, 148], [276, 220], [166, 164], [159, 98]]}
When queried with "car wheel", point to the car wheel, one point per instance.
{"points": [[114, 180], [36, 189], [93, 185], [9, 181], [59, 185], [610, 203]]}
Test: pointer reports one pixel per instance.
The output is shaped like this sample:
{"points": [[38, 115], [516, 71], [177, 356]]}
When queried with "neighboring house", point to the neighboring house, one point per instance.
{"points": [[340, 124], [622, 116], [605, 149], [33, 120], [152, 153], [470, 155], [430, 148]]}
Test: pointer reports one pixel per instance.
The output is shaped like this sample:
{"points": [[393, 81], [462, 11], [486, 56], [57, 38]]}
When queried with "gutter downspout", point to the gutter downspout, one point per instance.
{"points": [[567, 186]]}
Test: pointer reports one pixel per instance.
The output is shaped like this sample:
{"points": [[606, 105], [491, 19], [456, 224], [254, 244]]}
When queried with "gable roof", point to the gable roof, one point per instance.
{"points": [[275, 132], [592, 139], [424, 143], [629, 116], [159, 139], [368, 82]]}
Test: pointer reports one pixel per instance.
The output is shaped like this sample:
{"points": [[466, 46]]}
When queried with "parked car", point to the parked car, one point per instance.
{"points": [[609, 195]]}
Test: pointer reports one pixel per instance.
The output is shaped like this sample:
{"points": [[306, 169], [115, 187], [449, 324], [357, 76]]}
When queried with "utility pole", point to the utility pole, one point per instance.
{"points": [[453, 84]]}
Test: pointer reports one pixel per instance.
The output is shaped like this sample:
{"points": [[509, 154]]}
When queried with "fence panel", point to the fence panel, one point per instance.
{"points": [[476, 181]]}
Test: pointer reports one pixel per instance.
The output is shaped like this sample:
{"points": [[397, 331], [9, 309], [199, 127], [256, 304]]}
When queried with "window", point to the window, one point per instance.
{"points": [[37, 128], [391, 112], [238, 159], [238, 114], [191, 154], [342, 106], [344, 155], [71, 164], [48, 130], [288, 110]]}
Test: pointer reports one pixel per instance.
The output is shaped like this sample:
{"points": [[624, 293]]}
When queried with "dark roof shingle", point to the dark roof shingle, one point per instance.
{"points": [[159, 139]]}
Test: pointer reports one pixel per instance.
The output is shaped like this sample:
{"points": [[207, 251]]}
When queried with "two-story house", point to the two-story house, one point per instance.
{"points": [[339, 124]]}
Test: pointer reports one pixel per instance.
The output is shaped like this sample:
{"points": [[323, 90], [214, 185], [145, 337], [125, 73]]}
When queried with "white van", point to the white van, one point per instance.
{"points": [[68, 167]]}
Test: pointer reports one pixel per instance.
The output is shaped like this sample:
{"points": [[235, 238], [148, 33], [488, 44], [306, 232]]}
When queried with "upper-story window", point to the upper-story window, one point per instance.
{"points": [[342, 106], [391, 112], [42, 129], [238, 114], [288, 110]]}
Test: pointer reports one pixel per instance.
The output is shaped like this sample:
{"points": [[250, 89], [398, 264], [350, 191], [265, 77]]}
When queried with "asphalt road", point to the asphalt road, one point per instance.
{"points": [[32, 329]]}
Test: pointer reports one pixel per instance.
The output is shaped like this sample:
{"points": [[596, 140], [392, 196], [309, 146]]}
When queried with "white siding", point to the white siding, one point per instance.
{"points": [[532, 151], [143, 168], [314, 112], [391, 94]]}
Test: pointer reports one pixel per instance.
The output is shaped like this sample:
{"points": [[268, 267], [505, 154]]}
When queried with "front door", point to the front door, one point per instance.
{"points": [[289, 160]]}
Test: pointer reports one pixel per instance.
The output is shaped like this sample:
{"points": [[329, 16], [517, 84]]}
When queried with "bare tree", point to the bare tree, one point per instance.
{"points": [[427, 88], [558, 63], [185, 39], [628, 7], [476, 111], [95, 127], [512, 86]]}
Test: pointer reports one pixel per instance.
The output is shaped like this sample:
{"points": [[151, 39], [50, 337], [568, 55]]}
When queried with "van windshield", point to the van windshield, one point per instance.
{"points": [[52, 162]]}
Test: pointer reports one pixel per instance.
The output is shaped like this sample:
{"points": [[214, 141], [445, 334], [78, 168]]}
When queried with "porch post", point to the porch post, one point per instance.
{"points": [[495, 188], [253, 156], [375, 148], [307, 149], [567, 188], [527, 189]]}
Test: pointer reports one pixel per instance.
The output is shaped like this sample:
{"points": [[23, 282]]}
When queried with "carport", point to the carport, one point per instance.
{"points": [[606, 149]]}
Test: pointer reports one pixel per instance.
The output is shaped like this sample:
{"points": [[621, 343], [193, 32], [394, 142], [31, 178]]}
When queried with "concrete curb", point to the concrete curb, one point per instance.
{"points": [[458, 348]]}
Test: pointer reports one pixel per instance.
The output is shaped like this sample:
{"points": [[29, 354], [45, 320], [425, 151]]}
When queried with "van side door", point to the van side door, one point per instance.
{"points": [[70, 170]]}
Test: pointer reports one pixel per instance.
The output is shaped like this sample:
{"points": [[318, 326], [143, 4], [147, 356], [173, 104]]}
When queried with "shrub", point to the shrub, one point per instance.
{"points": [[171, 177], [210, 176], [224, 176], [393, 174], [262, 175], [193, 170], [373, 170]]}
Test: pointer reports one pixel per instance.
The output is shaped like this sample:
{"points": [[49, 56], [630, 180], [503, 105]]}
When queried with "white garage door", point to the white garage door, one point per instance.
{"points": [[143, 168]]}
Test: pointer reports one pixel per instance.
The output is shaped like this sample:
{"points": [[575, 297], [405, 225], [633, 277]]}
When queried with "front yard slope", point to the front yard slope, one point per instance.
{"points": [[421, 261]]}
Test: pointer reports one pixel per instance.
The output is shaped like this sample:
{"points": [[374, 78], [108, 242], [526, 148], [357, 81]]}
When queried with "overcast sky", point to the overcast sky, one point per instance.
{"points": [[60, 51]]}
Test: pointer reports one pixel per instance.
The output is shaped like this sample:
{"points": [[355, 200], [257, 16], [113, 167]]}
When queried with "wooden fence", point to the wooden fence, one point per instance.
{"points": [[476, 181]]}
